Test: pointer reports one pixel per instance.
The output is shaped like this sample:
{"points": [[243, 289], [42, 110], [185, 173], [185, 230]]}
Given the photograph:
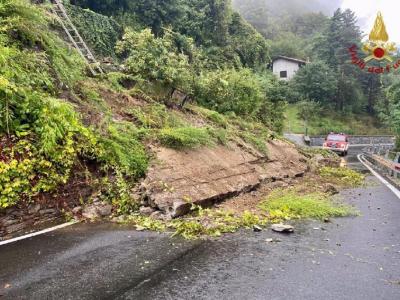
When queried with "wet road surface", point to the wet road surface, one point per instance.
{"points": [[349, 258]]}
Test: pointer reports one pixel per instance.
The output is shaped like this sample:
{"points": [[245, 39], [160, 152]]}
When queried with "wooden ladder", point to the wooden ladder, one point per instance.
{"points": [[75, 38]]}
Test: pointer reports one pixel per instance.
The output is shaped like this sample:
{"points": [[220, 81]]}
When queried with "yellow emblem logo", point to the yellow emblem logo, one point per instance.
{"points": [[378, 46]]}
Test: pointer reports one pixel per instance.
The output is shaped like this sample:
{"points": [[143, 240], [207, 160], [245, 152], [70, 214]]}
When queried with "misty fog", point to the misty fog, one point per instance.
{"points": [[291, 6]]}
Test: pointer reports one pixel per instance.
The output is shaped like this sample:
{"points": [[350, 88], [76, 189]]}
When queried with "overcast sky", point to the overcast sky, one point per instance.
{"points": [[366, 11]]}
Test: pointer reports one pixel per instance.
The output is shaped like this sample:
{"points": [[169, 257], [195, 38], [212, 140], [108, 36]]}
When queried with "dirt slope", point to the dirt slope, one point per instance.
{"points": [[204, 176]]}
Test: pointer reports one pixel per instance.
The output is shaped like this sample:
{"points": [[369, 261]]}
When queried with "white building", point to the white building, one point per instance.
{"points": [[286, 67]]}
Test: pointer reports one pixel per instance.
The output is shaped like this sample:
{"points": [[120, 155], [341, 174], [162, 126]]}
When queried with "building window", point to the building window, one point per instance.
{"points": [[283, 74]]}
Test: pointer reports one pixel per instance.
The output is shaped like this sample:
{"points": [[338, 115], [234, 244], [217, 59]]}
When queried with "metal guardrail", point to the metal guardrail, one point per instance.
{"points": [[358, 140], [385, 150], [385, 161]]}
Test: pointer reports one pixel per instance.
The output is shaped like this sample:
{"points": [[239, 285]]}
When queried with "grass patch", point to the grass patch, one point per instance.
{"points": [[185, 137], [213, 116], [256, 141], [155, 116], [220, 134], [147, 223], [290, 205], [342, 176], [329, 121]]}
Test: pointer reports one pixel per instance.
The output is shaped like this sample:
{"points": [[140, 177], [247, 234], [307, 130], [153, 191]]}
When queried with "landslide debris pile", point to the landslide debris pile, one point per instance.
{"points": [[68, 140]]}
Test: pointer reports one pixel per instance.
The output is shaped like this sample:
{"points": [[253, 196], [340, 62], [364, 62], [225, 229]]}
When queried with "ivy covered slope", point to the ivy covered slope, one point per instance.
{"points": [[60, 129]]}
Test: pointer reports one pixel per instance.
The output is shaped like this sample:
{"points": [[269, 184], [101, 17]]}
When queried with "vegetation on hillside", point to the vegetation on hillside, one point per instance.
{"points": [[56, 121], [175, 61], [300, 30], [222, 34]]}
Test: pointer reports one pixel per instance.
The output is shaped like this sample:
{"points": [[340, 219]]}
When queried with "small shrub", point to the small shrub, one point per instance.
{"points": [[230, 90], [156, 116], [188, 229], [211, 115], [120, 81], [221, 135], [258, 142], [147, 223], [121, 149], [117, 190], [248, 220], [185, 137], [218, 119]]}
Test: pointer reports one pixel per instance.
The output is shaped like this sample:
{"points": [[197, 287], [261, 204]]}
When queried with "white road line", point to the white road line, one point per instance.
{"points": [[37, 233], [383, 180]]}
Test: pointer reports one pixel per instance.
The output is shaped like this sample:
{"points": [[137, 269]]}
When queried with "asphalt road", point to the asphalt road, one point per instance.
{"points": [[349, 258]]}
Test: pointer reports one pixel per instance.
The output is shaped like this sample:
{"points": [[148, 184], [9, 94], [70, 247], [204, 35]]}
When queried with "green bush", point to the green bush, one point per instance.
{"points": [[258, 142], [120, 81], [230, 90], [154, 59], [122, 150], [156, 116]]}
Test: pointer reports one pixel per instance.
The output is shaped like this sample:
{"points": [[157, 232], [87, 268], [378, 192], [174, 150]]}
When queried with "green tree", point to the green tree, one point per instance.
{"points": [[316, 82], [272, 108], [248, 44], [290, 45], [308, 110], [389, 109], [152, 13], [155, 59], [223, 35], [332, 47]]}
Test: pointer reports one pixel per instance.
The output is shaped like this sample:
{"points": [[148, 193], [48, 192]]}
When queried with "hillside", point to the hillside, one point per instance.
{"points": [[69, 141]]}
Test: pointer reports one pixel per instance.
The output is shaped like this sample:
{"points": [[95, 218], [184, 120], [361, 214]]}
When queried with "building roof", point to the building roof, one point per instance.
{"points": [[289, 59]]}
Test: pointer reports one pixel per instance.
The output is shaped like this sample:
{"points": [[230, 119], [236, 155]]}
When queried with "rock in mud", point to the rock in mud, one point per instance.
{"points": [[90, 212], [119, 219], [282, 228], [77, 210], [105, 210], [146, 211], [140, 228], [257, 228], [158, 215], [34, 208], [330, 189]]}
